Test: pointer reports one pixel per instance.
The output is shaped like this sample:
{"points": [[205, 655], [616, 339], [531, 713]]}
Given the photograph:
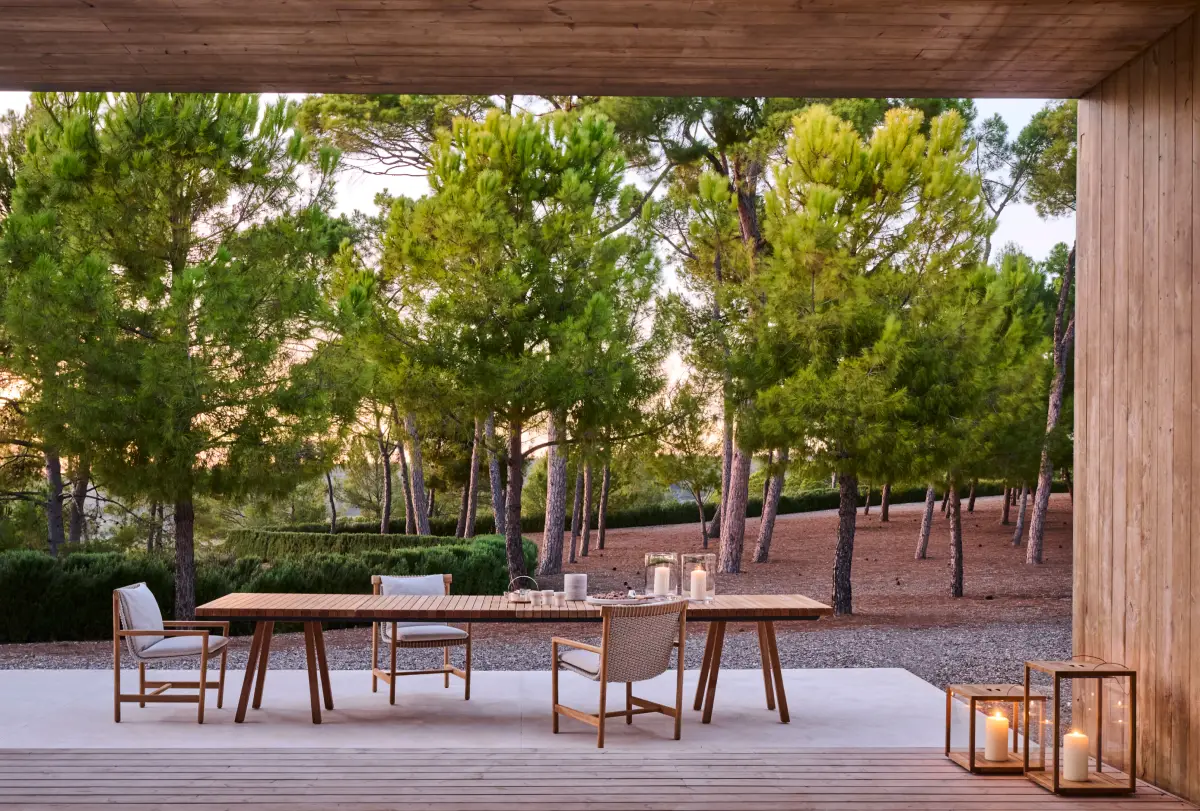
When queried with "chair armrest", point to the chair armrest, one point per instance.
{"points": [[222, 624], [573, 644], [164, 632]]}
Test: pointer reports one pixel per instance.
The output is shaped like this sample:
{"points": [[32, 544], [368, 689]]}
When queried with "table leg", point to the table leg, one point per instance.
{"points": [[780, 695], [251, 667], [264, 654], [310, 660], [714, 670], [323, 664], [764, 649], [705, 666]]}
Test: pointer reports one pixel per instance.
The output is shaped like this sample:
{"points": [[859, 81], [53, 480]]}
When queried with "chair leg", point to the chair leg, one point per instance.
{"points": [[392, 669], [467, 668], [628, 702], [116, 679], [374, 656], [142, 683], [221, 683], [203, 680], [446, 664], [603, 712], [553, 685]]}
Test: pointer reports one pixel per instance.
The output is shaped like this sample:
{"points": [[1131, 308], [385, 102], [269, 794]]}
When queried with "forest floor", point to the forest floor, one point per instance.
{"points": [[904, 616]]}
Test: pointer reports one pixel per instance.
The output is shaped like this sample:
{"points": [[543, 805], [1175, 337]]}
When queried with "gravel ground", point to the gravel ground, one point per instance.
{"points": [[986, 653]]}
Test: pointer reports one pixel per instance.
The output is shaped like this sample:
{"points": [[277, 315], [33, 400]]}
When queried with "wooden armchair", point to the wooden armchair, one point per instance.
{"points": [[635, 645], [408, 635], [138, 621]]}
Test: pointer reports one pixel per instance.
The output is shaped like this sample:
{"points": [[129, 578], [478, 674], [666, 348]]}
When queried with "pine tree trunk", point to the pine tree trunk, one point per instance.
{"points": [[1013, 496], [971, 499], [1007, 506], [587, 510], [926, 523], [946, 499], [54, 501], [885, 502], [460, 526], [498, 511], [551, 553], [766, 526], [767, 476], [1070, 484], [410, 512], [867, 506], [385, 501], [416, 473], [703, 527], [432, 503], [150, 532], [843, 595], [185, 560], [733, 529], [1020, 530], [473, 483], [577, 515], [79, 499], [956, 547], [513, 545], [602, 516], [714, 528], [332, 502]]}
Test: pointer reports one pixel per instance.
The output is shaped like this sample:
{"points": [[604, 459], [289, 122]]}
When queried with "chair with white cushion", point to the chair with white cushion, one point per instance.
{"points": [[635, 645], [408, 635], [137, 620]]}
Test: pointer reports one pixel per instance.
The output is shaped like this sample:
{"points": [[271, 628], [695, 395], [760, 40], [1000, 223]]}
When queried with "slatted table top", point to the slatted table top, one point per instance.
{"points": [[483, 608]]}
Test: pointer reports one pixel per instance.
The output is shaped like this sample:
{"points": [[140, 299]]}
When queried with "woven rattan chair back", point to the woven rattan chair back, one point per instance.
{"points": [[639, 639]]}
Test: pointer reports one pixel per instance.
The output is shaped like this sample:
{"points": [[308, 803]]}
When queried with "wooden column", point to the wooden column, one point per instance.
{"points": [[1137, 396]]}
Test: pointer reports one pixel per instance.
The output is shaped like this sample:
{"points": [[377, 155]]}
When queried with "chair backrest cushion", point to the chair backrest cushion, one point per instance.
{"points": [[427, 584], [139, 612], [641, 639]]}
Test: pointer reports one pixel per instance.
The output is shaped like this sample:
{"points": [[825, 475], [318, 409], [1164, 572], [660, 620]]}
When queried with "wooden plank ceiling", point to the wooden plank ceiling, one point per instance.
{"points": [[1040, 48]]}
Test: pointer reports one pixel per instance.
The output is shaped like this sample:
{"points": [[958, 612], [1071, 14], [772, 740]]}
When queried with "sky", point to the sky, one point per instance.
{"points": [[1019, 223]]}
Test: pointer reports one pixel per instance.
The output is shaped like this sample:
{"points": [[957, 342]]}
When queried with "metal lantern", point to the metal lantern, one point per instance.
{"points": [[1097, 754], [698, 577], [982, 726], [662, 574]]}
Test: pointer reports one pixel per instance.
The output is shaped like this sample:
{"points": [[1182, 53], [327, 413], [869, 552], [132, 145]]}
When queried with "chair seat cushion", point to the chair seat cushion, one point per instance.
{"points": [[583, 662], [173, 646], [423, 633]]}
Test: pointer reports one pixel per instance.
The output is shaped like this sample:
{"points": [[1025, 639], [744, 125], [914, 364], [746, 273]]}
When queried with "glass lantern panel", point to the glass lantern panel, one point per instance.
{"points": [[662, 574]]}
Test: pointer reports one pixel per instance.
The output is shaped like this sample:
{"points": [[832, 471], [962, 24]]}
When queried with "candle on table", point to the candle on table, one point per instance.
{"points": [[1075, 757], [699, 584], [996, 740], [662, 580]]}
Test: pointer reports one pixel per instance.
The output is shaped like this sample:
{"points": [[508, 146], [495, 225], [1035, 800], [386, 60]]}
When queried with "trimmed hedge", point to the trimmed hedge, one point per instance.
{"points": [[681, 513], [272, 544], [70, 598]]}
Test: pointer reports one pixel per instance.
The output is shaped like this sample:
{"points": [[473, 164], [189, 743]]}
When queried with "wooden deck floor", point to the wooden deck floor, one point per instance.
{"points": [[481, 780]]}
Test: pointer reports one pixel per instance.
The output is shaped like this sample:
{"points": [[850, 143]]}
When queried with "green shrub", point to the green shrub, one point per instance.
{"points": [[46, 599], [272, 544]]}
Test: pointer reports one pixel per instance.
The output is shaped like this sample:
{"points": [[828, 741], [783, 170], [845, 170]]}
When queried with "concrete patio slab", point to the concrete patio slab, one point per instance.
{"points": [[72, 709]]}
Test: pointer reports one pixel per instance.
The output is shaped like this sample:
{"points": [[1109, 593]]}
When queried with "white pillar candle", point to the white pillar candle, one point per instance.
{"points": [[996, 739], [662, 580], [699, 584], [575, 586], [1075, 757]]}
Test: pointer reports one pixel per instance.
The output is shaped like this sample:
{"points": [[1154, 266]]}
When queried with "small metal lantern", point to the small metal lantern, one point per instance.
{"points": [[991, 715], [662, 574], [1104, 702], [699, 576]]}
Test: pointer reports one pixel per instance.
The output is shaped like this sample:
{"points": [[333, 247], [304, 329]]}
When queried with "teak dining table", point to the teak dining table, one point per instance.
{"points": [[312, 610]]}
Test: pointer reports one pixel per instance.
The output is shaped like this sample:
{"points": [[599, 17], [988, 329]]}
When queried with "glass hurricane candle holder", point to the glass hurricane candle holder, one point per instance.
{"points": [[699, 576], [982, 724], [662, 574], [1097, 754]]}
